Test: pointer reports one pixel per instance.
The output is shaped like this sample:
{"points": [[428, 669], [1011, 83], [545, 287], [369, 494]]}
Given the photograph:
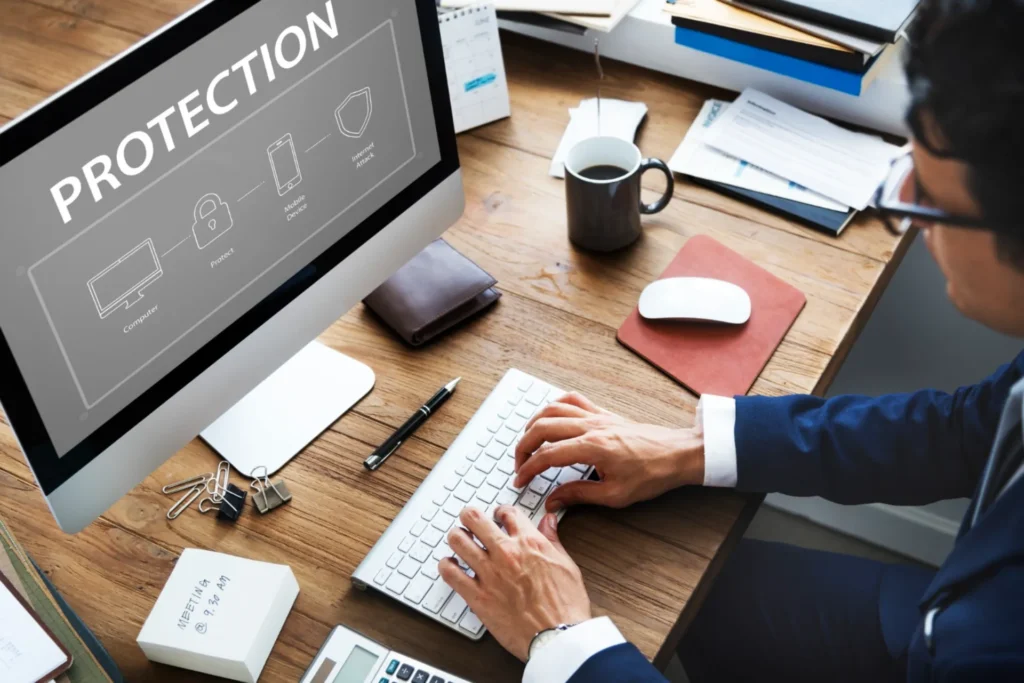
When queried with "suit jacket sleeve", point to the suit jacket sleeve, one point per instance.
{"points": [[620, 664], [903, 449]]}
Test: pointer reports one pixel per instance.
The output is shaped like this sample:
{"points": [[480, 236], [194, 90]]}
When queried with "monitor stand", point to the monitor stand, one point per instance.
{"points": [[289, 409]]}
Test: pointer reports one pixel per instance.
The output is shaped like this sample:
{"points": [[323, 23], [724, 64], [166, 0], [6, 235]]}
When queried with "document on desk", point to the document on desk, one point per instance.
{"points": [[806, 149], [695, 158], [617, 118], [28, 654]]}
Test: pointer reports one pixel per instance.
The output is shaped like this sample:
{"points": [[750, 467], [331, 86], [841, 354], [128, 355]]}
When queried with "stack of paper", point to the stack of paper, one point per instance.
{"points": [[599, 15], [618, 118]]}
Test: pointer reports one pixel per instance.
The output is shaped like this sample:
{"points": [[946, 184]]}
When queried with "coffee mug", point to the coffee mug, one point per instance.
{"points": [[602, 188]]}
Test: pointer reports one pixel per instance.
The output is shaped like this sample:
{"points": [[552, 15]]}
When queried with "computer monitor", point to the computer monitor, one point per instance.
{"points": [[185, 219]]}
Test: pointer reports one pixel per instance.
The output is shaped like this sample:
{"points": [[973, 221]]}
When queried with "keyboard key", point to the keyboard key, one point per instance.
{"points": [[497, 480], [494, 425], [495, 450], [540, 486], [516, 423], [515, 489], [421, 552], [442, 551], [537, 395], [525, 384], [551, 473], [579, 467], [394, 560], [474, 455], [454, 609], [507, 497], [487, 493], [507, 465], [418, 528], [485, 465], [505, 437], [462, 469], [506, 411], [429, 513], [443, 522], [464, 492], [382, 577], [436, 597], [406, 544], [405, 673], [526, 410], [471, 623], [568, 474], [397, 584], [441, 497], [530, 500], [515, 397], [452, 482], [485, 438], [421, 676], [475, 478], [454, 506], [430, 569], [417, 589], [431, 537], [409, 568]]}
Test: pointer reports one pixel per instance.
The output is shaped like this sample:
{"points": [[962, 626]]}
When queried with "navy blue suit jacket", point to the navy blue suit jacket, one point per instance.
{"points": [[905, 449]]}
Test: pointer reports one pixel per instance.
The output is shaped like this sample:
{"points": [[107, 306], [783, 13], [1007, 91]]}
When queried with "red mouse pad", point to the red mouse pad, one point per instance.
{"points": [[713, 358]]}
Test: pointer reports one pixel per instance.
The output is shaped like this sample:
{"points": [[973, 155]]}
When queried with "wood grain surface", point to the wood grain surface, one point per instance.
{"points": [[647, 567]]}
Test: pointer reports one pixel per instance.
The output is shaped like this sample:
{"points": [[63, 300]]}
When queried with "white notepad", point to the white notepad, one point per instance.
{"points": [[476, 68], [27, 653]]}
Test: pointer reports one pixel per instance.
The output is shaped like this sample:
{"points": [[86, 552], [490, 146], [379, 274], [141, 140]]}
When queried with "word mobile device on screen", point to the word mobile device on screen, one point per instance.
{"points": [[185, 221], [350, 657]]}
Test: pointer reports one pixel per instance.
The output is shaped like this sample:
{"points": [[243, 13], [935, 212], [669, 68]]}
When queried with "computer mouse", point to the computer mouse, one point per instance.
{"points": [[695, 298]]}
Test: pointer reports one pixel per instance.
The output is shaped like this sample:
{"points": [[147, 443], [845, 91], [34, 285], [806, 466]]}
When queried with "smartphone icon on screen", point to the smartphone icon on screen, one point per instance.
{"points": [[285, 164]]}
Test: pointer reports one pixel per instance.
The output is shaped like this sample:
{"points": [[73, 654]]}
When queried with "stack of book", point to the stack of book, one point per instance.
{"points": [[90, 662], [837, 44]]}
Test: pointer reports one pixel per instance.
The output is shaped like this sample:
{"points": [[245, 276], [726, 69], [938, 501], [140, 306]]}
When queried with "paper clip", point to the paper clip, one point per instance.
{"points": [[220, 482], [186, 484], [183, 504], [263, 486]]}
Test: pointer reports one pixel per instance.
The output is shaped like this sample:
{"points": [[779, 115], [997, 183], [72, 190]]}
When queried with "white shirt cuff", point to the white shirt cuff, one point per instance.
{"points": [[717, 417], [560, 659]]}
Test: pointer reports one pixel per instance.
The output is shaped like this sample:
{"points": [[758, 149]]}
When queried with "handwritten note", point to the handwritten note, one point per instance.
{"points": [[202, 604], [27, 653]]}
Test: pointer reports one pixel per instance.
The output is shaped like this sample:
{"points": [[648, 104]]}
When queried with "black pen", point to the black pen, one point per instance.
{"points": [[394, 442]]}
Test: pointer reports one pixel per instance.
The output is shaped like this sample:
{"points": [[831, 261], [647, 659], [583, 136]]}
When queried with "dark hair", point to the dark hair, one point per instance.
{"points": [[966, 70]]}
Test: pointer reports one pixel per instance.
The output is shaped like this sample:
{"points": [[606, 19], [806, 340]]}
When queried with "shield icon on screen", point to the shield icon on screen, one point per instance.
{"points": [[354, 113]]}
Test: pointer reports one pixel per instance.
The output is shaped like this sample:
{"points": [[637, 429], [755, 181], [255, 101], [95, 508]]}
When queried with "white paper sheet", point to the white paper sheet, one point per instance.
{"points": [[26, 652], [619, 119], [842, 165], [695, 158]]}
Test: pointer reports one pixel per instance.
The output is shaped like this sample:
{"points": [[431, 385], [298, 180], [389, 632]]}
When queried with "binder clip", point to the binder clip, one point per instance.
{"points": [[268, 495], [231, 504]]}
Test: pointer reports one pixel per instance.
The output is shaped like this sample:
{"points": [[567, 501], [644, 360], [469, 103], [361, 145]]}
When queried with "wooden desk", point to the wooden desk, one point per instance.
{"points": [[647, 567]]}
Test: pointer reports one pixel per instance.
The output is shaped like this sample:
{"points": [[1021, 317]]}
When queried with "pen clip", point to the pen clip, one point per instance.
{"points": [[377, 459]]}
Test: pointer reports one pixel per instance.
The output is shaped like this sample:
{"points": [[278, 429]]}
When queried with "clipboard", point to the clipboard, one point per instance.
{"points": [[68, 661]]}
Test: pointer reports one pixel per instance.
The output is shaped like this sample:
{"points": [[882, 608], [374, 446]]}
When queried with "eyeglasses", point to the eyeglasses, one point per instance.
{"points": [[898, 200]]}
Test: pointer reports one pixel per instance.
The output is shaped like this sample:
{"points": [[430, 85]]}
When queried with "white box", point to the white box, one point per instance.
{"points": [[219, 615]]}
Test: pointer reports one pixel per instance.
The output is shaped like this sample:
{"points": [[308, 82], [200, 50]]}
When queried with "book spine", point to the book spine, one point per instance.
{"points": [[837, 59], [836, 21], [809, 72]]}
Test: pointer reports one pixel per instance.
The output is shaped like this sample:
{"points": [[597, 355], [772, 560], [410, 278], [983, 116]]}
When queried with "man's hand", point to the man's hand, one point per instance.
{"points": [[524, 581], [635, 462]]}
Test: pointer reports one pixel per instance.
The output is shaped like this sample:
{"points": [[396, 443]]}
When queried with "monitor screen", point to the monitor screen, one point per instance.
{"points": [[232, 152]]}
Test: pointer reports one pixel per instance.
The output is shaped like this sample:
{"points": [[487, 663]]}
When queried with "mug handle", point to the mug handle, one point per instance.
{"points": [[658, 206]]}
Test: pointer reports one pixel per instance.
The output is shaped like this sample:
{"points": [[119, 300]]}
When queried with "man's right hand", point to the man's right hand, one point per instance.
{"points": [[635, 462]]}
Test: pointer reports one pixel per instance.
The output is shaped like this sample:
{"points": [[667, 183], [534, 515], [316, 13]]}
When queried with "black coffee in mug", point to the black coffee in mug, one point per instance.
{"points": [[602, 192], [603, 172]]}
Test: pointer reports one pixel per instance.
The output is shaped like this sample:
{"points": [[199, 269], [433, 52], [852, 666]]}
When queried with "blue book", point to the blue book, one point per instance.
{"points": [[810, 72]]}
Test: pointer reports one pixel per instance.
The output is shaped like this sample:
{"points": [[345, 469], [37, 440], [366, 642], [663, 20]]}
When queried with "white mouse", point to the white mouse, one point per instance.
{"points": [[695, 298]]}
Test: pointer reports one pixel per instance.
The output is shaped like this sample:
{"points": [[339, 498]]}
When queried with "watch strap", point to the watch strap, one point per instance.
{"points": [[539, 636]]}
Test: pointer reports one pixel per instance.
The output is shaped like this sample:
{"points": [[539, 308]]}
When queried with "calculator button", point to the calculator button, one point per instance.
{"points": [[392, 667], [384, 680], [436, 679], [471, 623], [405, 673], [421, 677]]}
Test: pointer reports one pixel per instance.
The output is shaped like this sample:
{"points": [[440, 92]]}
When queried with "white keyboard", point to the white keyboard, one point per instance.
{"points": [[476, 470]]}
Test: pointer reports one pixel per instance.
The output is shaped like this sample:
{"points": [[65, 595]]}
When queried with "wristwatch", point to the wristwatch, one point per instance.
{"points": [[544, 638]]}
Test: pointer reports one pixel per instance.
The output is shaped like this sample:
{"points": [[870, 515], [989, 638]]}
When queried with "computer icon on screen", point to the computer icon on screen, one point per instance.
{"points": [[121, 284]]}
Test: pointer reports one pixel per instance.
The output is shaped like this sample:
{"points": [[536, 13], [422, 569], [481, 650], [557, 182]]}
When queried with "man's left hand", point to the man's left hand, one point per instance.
{"points": [[525, 582]]}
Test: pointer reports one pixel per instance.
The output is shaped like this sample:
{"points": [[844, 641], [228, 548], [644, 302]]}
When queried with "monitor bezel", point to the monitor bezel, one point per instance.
{"points": [[22, 134]]}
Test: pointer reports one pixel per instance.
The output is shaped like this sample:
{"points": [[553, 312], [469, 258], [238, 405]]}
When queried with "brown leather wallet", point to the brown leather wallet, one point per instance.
{"points": [[435, 291]]}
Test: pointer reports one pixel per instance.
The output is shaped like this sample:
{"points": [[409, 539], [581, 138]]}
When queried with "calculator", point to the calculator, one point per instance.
{"points": [[350, 657]]}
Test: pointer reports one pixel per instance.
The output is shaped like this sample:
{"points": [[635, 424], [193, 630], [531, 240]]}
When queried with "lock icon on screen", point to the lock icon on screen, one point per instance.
{"points": [[212, 219]]}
